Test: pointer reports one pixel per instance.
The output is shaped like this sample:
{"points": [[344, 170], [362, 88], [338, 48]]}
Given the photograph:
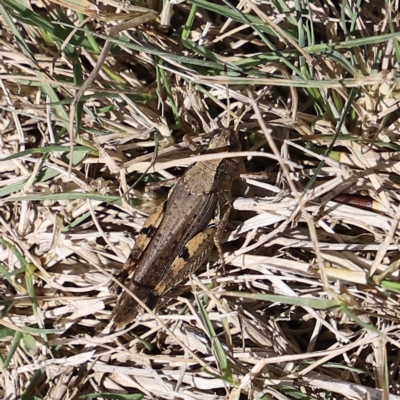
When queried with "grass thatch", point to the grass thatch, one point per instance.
{"points": [[309, 307]]}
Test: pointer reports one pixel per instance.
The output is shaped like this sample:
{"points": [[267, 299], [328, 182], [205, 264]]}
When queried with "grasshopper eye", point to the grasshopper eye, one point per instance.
{"points": [[234, 143]]}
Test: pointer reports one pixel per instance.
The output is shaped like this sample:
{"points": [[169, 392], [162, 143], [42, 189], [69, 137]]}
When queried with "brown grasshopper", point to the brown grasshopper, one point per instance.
{"points": [[178, 237]]}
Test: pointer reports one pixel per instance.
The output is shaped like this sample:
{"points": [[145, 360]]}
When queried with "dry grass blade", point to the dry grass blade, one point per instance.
{"points": [[96, 100]]}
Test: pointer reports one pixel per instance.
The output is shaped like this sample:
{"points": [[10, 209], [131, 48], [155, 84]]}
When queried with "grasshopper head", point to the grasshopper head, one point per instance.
{"points": [[224, 140]]}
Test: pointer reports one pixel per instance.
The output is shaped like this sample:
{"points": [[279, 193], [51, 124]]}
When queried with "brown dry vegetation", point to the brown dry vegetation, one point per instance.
{"points": [[309, 306]]}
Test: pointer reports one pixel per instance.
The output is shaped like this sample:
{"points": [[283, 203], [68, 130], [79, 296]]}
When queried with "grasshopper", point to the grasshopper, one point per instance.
{"points": [[178, 237]]}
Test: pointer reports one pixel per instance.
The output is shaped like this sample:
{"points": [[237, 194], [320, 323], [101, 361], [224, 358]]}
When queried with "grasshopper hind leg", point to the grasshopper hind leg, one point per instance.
{"points": [[129, 308]]}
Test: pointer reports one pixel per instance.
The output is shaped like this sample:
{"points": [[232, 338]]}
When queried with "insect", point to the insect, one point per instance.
{"points": [[178, 237]]}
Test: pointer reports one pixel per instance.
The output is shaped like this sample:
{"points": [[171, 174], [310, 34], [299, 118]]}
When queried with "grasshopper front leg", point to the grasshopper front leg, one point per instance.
{"points": [[218, 235]]}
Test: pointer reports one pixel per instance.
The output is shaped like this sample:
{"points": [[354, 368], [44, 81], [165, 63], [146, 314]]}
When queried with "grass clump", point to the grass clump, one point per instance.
{"points": [[96, 100]]}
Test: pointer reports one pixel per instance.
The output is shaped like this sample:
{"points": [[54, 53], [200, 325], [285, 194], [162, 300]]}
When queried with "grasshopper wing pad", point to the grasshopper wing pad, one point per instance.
{"points": [[155, 262]]}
